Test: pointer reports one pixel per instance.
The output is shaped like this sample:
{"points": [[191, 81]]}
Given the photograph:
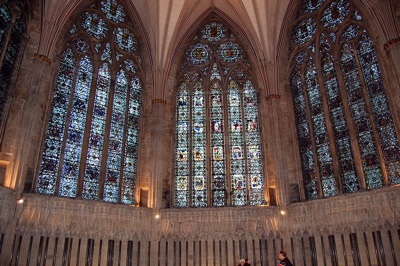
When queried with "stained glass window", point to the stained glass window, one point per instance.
{"points": [[218, 151], [12, 30], [336, 80], [90, 147]]}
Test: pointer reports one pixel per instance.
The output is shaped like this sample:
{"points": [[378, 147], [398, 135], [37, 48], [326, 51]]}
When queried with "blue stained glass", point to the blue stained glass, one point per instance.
{"points": [[360, 115], [113, 10], [107, 54], [238, 178], [132, 139], [130, 66], [94, 25], [114, 156], [255, 172], [73, 146], [199, 53], [319, 128], [199, 198], [125, 39], [304, 136], [338, 15], [52, 148], [217, 140], [81, 45], [335, 14], [14, 34], [5, 21], [347, 168], [310, 6], [383, 120], [214, 32], [183, 140], [212, 125], [96, 137], [304, 31], [121, 118], [230, 52]]}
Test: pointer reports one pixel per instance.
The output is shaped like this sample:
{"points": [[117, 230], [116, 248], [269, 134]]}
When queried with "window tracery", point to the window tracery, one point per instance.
{"points": [[218, 152], [12, 32], [336, 80], [90, 148]]}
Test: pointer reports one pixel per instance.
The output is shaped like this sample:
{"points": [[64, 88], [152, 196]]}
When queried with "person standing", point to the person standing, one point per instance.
{"points": [[247, 262], [241, 262], [284, 261]]}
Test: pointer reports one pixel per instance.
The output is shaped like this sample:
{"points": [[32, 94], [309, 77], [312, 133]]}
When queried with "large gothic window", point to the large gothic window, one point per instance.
{"points": [[347, 138], [218, 154], [90, 148], [12, 30]]}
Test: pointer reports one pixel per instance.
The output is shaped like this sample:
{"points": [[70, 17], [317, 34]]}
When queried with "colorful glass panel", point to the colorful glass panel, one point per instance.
{"points": [[217, 133], [49, 165], [13, 32], [125, 39], [132, 142], [335, 14], [236, 140], [98, 151], [253, 145], [76, 127], [113, 10], [352, 93], [199, 183], [213, 165], [230, 52], [182, 187], [199, 53], [96, 137], [214, 32], [360, 115], [304, 31], [94, 25]]}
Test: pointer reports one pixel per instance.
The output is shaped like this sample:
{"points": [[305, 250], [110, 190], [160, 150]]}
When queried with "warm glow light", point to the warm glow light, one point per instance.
{"points": [[157, 216], [283, 212], [20, 201]]}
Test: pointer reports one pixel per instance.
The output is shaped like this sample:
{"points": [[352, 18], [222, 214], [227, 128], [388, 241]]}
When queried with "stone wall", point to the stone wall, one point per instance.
{"points": [[357, 229]]}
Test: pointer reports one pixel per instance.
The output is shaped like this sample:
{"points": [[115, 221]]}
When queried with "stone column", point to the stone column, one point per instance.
{"points": [[157, 154], [25, 128]]}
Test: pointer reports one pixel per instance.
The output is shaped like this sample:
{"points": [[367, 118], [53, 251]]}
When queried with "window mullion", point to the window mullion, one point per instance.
{"points": [[244, 150], [88, 123], [229, 192], [65, 136], [103, 170], [351, 127], [312, 134], [329, 125], [124, 140], [190, 153], [207, 152], [371, 118]]}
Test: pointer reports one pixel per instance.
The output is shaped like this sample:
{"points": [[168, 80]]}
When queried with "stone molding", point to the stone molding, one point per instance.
{"points": [[50, 215]]}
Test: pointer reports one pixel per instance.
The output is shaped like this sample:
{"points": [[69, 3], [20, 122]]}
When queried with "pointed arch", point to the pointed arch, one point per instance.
{"points": [[218, 152], [346, 135], [91, 144]]}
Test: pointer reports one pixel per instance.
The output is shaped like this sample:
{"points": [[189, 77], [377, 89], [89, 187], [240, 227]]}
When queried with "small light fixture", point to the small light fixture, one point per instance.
{"points": [[283, 212], [20, 201], [157, 216]]}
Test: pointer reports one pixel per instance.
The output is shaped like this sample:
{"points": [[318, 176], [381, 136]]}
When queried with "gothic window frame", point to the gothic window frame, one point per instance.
{"points": [[104, 43], [13, 22], [319, 39], [212, 59]]}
